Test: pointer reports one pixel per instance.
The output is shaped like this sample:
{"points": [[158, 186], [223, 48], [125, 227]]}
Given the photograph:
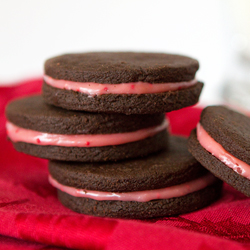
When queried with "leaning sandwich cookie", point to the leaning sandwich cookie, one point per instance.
{"points": [[45, 131], [221, 143], [121, 82], [168, 183]]}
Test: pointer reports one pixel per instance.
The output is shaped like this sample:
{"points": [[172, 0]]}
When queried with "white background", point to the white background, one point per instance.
{"points": [[32, 31]]}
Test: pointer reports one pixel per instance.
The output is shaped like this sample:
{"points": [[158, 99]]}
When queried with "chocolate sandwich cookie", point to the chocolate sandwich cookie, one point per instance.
{"points": [[164, 184], [49, 132], [221, 143], [124, 82]]}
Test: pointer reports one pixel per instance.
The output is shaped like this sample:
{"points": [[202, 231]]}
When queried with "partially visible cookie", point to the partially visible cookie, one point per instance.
{"points": [[45, 131], [168, 183], [221, 143], [121, 82]]}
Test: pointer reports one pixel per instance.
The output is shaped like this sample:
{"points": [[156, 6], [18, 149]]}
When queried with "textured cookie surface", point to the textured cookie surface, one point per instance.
{"points": [[153, 172], [171, 167], [230, 129], [122, 67], [33, 113], [217, 167], [126, 104], [143, 210], [96, 154]]}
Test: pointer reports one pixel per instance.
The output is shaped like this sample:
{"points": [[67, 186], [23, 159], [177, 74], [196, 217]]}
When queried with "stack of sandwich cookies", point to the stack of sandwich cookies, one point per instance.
{"points": [[221, 143], [50, 132], [101, 120]]}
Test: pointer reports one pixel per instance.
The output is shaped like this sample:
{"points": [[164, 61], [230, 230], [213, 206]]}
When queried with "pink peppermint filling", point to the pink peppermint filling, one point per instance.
{"points": [[213, 147], [92, 88], [140, 196], [18, 134]]}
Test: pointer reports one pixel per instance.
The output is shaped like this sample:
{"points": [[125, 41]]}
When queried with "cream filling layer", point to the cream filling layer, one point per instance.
{"points": [[140, 196], [18, 134], [92, 88], [213, 147]]}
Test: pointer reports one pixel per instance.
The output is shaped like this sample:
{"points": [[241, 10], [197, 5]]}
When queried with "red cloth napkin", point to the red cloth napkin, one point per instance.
{"points": [[32, 218]]}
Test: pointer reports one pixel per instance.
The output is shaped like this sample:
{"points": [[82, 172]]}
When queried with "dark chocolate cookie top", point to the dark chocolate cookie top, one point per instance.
{"points": [[122, 67], [230, 129], [171, 167], [33, 113]]}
